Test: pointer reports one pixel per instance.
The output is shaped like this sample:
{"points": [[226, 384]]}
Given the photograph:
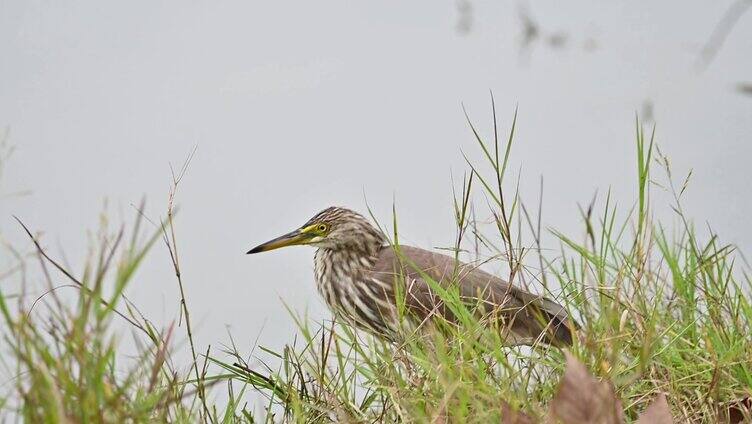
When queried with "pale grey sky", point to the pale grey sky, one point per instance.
{"points": [[296, 106]]}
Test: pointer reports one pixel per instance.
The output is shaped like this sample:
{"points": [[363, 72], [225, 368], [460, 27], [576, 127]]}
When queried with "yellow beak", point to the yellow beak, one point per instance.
{"points": [[290, 239]]}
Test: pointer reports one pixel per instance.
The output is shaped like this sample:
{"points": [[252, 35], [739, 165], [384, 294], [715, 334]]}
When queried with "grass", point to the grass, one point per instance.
{"points": [[661, 311]]}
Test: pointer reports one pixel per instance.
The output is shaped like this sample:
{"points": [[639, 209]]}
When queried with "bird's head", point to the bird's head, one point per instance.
{"points": [[333, 228]]}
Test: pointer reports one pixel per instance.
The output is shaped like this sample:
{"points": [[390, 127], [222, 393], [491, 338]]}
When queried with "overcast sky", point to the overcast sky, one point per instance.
{"points": [[295, 106]]}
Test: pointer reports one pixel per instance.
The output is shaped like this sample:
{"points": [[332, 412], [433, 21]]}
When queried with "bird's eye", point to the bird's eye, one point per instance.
{"points": [[322, 228]]}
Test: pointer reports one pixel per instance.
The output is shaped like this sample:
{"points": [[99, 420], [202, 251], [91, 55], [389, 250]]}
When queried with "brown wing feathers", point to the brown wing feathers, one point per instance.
{"points": [[530, 315]]}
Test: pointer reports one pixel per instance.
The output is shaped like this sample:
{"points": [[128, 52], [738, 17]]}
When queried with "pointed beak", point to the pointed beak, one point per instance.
{"points": [[290, 239]]}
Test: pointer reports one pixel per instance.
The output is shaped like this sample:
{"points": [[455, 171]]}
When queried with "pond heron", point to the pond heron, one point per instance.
{"points": [[363, 279]]}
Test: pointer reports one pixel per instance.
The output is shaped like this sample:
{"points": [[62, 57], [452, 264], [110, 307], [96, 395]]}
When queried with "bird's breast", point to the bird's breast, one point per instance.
{"points": [[345, 283]]}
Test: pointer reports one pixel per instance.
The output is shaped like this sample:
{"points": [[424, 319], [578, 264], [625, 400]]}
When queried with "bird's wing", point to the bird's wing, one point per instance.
{"points": [[529, 315]]}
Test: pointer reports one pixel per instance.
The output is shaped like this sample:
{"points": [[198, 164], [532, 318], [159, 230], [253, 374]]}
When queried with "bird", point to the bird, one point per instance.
{"points": [[364, 279]]}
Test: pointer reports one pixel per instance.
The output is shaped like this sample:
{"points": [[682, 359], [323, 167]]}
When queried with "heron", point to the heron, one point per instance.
{"points": [[359, 274]]}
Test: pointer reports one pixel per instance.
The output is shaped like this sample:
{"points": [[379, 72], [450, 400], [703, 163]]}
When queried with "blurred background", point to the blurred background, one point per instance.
{"points": [[295, 106]]}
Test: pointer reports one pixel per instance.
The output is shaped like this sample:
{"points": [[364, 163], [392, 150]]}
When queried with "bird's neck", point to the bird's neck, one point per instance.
{"points": [[345, 260], [337, 266]]}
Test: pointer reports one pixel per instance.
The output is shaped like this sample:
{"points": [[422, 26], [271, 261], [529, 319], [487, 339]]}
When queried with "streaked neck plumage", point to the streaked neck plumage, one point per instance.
{"points": [[343, 261], [340, 271], [352, 245]]}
